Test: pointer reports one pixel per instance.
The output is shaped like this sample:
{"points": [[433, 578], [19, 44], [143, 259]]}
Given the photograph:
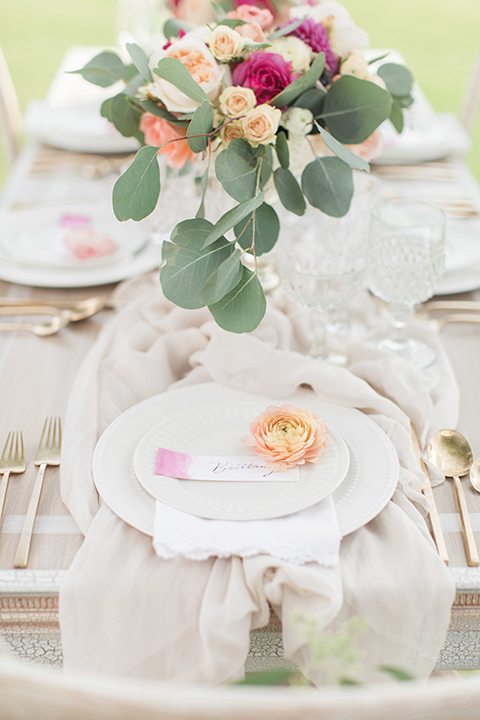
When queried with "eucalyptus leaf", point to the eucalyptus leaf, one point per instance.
{"points": [[236, 171], [328, 185], [106, 109], [312, 100], [172, 27], [287, 29], [140, 60], [234, 216], [343, 152], [136, 192], [378, 58], [201, 124], [231, 22], [267, 228], [188, 266], [161, 112], [283, 153], [252, 46], [354, 108], [396, 117], [125, 117], [265, 170], [301, 84], [203, 186], [397, 78], [175, 72], [104, 69], [223, 279], [243, 308], [397, 673], [289, 191]]}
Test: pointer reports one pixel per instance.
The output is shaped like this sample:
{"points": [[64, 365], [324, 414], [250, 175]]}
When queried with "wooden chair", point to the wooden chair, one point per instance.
{"points": [[10, 117], [27, 692], [471, 98]]}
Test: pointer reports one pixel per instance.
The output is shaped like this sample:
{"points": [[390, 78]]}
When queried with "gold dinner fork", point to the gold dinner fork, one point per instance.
{"points": [[48, 453], [12, 461]]}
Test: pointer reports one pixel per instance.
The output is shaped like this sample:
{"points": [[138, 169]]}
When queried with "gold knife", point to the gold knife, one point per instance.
{"points": [[428, 492]]}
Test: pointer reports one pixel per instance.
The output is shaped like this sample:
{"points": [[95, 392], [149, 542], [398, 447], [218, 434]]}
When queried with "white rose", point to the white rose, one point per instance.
{"points": [[236, 100], [225, 43], [293, 50], [261, 124], [298, 121], [355, 64], [201, 65], [344, 34]]}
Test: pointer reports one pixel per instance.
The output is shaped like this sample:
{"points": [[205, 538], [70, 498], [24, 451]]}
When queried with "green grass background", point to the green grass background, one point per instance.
{"points": [[438, 39]]}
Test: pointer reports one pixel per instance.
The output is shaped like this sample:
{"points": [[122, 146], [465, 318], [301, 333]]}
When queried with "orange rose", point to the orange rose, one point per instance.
{"points": [[158, 131], [287, 436]]}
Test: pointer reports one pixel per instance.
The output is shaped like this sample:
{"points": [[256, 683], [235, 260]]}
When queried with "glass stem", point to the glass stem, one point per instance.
{"points": [[319, 341], [400, 317]]}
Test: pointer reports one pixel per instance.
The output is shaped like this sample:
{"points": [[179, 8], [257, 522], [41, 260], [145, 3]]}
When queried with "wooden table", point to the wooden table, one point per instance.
{"points": [[36, 375]]}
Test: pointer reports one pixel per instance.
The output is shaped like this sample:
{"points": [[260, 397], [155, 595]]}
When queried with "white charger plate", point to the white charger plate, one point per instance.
{"points": [[368, 486], [217, 430]]}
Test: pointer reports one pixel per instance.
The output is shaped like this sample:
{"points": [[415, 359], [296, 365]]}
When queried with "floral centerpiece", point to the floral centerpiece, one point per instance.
{"points": [[249, 92]]}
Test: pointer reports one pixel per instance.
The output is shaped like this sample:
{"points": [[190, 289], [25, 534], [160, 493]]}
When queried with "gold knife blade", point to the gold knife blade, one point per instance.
{"points": [[437, 531]]}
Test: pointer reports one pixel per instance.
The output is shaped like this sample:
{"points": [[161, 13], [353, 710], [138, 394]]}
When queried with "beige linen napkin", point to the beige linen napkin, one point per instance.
{"points": [[125, 611]]}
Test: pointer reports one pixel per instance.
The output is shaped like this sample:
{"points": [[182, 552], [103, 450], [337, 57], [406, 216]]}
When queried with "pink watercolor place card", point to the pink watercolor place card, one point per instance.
{"points": [[220, 468]]}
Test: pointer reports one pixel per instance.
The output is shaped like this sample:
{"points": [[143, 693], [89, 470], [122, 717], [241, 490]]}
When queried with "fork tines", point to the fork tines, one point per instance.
{"points": [[50, 443], [13, 456]]}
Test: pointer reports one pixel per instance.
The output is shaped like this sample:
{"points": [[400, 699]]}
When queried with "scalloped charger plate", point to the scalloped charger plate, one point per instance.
{"points": [[369, 484]]}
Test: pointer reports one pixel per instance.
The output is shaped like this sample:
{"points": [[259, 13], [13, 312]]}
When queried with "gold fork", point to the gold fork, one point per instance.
{"points": [[12, 461], [48, 453]]}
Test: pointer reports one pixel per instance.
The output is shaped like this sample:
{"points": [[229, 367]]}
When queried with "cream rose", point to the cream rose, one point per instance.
{"points": [[293, 50], [260, 125], [235, 101], [202, 66], [355, 64], [225, 43], [230, 132]]}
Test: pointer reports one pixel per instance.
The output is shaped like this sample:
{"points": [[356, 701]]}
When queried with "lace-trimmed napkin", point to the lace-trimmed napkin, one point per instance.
{"points": [[126, 611], [312, 535]]}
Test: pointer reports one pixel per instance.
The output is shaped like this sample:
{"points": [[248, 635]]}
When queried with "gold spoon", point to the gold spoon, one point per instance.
{"points": [[475, 475], [452, 454]]}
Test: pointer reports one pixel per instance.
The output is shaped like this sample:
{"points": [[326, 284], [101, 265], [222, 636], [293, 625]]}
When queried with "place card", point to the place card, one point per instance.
{"points": [[242, 468]]}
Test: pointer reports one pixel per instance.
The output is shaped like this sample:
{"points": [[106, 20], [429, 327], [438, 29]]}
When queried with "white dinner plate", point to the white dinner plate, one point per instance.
{"points": [[368, 486], [218, 430], [34, 235]]}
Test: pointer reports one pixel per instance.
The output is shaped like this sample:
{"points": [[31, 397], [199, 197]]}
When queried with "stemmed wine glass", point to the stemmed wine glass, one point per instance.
{"points": [[321, 270], [406, 259]]}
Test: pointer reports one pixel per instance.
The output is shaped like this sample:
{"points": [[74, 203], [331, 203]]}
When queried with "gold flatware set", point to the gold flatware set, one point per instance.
{"points": [[61, 312], [13, 461]]}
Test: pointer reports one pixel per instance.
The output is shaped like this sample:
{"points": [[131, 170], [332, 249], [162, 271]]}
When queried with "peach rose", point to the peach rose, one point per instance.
{"points": [[250, 13], [202, 66], [371, 148], [287, 436], [252, 31], [158, 131], [230, 132], [225, 44], [261, 124], [236, 100]]}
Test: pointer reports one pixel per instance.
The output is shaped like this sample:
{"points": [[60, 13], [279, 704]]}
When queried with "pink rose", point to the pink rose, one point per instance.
{"points": [[250, 13], [267, 74], [158, 131], [287, 436], [253, 31]]}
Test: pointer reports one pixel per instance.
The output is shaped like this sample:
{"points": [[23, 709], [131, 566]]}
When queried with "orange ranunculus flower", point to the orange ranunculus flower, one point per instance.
{"points": [[158, 131], [287, 436]]}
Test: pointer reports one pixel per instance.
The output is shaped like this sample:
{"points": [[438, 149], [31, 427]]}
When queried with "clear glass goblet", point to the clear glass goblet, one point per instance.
{"points": [[321, 271], [406, 260]]}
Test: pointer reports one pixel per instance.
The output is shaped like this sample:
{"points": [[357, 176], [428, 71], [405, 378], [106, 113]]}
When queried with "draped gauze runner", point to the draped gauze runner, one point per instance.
{"points": [[125, 611]]}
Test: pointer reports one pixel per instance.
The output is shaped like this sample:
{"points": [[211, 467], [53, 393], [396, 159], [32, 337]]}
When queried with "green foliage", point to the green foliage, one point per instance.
{"points": [[223, 279], [235, 168], [283, 153], [354, 108], [231, 22], [159, 111], [175, 72], [328, 185], [243, 308], [172, 27], [287, 30], [289, 191], [124, 115], [140, 60], [201, 124], [397, 78], [136, 192], [301, 84], [234, 216], [104, 69], [343, 152], [267, 229]]}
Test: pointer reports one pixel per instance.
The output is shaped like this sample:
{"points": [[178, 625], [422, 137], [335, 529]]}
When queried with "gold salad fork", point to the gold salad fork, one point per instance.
{"points": [[48, 453], [12, 461]]}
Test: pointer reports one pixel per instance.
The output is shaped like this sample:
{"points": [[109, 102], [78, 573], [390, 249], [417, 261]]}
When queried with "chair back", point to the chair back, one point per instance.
{"points": [[471, 98], [10, 116]]}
